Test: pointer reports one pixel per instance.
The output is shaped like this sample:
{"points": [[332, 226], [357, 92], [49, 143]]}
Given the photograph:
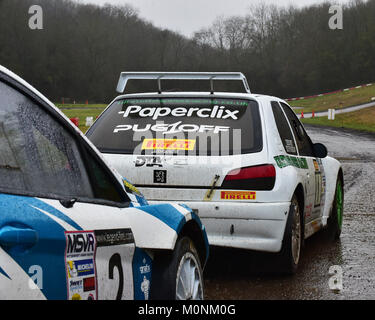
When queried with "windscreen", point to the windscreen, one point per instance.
{"points": [[193, 126]]}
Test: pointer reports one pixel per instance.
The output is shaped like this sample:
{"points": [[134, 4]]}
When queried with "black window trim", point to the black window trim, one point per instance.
{"points": [[290, 128], [82, 146], [300, 123]]}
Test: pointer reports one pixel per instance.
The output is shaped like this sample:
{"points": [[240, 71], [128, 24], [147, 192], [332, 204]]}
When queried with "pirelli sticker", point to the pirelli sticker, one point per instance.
{"points": [[238, 195], [168, 144]]}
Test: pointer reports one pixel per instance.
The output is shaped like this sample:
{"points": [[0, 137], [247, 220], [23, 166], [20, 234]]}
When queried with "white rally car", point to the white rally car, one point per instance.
{"points": [[71, 227], [243, 162]]}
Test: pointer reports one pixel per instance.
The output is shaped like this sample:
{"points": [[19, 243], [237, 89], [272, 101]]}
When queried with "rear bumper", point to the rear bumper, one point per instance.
{"points": [[254, 226]]}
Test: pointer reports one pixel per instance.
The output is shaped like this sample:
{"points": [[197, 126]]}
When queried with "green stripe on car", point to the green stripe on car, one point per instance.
{"points": [[284, 161]]}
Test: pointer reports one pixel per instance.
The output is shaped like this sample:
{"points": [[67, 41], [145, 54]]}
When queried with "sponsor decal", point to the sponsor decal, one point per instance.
{"points": [[318, 187], [168, 144], [142, 270], [85, 267], [316, 165], [289, 146], [80, 244], [319, 183], [71, 269], [171, 128], [113, 237], [283, 161], [76, 285], [160, 176], [218, 112], [151, 161], [145, 268], [238, 195], [323, 183], [80, 262], [89, 284], [145, 287]]}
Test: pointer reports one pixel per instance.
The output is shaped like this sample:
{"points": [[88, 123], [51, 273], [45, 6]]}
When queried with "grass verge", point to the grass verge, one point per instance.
{"points": [[336, 100], [363, 120], [81, 112]]}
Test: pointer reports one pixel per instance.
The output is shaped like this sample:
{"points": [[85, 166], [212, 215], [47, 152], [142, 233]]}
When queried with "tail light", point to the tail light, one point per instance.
{"points": [[251, 178]]}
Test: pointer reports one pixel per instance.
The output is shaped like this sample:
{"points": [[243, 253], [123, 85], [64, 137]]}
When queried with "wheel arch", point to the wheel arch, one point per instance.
{"points": [[300, 193], [193, 230], [174, 222], [333, 170]]}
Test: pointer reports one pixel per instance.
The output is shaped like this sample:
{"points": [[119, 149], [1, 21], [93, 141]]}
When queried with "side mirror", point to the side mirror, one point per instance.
{"points": [[320, 150]]}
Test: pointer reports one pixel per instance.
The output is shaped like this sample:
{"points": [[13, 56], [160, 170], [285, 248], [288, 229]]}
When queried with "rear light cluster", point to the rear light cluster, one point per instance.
{"points": [[251, 178]]}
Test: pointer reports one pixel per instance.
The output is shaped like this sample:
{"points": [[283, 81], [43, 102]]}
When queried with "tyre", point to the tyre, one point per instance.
{"points": [[334, 223], [290, 253], [178, 275]]}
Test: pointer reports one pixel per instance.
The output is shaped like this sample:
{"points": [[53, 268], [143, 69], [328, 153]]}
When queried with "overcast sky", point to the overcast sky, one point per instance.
{"points": [[187, 16]]}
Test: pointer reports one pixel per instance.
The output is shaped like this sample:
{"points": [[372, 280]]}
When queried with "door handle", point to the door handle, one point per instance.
{"points": [[13, 236]]}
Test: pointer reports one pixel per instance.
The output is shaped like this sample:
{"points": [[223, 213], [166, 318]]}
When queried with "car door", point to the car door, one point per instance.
{"points": [[289, 142], [61, 232], [314, 174]]}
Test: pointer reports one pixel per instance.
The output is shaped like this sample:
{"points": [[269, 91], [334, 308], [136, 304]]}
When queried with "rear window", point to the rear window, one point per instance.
{"points": [[193, 126]]}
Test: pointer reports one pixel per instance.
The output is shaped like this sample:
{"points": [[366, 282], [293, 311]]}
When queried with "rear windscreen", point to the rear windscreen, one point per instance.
{"points": [[199, 126]]}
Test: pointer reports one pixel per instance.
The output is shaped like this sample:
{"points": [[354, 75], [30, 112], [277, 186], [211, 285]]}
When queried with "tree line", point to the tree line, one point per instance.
{"points": [[283, 51]]}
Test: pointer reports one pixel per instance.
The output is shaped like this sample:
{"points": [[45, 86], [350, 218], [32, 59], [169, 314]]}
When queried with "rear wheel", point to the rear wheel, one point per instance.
{"points": [[178, 276], [335, 220], [290, 253]]}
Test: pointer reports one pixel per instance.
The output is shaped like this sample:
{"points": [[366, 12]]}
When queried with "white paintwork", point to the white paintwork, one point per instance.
{"points": [[17, 287], [145, 227]]}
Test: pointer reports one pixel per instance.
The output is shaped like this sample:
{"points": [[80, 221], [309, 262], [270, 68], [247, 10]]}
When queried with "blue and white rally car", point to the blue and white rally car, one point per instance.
{"points": [[243, 162], [71, 227]]}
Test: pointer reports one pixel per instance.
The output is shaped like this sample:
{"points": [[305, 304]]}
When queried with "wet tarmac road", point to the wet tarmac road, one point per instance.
{"points": [[241, 275]]}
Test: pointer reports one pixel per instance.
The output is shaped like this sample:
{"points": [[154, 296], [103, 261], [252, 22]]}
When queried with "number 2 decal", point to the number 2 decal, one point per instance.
{"points": [[115, 261]]}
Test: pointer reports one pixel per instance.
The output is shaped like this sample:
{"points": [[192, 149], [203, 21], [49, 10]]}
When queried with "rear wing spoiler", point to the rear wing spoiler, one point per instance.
{"points": [[158, 76]]}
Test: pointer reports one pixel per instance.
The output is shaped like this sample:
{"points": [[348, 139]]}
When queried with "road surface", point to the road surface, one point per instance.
{"points": [[238, 274]]}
